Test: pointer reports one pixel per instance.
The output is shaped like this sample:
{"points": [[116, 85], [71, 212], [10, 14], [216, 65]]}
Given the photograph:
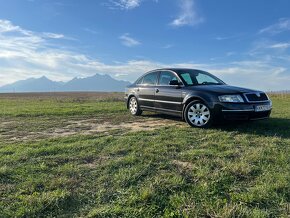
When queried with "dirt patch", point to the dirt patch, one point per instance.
{"points": [[91, 127], [5, 123], [182, 164], [100, 161]]}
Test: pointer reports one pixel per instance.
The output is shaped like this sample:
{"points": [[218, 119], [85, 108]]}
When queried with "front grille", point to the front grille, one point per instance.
{"points": [[256, 97]]}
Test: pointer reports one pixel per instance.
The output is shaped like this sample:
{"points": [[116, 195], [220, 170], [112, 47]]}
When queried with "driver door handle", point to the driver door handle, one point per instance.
{"points": [[157, 90]]}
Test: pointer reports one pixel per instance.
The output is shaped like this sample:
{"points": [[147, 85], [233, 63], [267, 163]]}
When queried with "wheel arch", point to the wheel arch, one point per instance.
{"points": [[189, 99]]}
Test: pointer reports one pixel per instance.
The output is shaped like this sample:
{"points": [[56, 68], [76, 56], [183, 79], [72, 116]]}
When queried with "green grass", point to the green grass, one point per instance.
{"points": [[233, 170]]}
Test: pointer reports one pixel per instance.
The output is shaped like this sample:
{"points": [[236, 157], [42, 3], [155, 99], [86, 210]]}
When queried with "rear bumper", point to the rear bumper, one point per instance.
{"points": [[246, 111]]}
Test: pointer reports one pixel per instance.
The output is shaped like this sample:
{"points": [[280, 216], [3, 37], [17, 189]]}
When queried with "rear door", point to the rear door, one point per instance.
{"points": [[168, 97], [146, 90]]}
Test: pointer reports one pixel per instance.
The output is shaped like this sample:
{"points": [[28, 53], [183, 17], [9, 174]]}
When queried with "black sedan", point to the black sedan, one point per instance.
{"points": [[196, 96]]}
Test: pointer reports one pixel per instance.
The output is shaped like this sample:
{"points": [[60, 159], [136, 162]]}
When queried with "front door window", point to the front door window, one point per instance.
{"points": [[166, 77]]}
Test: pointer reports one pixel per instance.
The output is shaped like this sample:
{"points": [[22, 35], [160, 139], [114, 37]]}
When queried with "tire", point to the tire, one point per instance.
{"points": [[134, 107], [198, 114]]}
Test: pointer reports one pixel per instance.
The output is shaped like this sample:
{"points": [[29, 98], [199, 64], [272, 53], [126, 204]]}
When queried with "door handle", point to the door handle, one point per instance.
{"points": [[157, 90], [138, 90]]}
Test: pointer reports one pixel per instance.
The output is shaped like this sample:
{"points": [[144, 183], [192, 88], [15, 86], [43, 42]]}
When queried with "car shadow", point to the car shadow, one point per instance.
{"points": [[278, 127]]}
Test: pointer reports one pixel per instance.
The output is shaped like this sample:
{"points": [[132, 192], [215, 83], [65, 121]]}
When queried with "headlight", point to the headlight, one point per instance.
{"points": [[231, 98]]}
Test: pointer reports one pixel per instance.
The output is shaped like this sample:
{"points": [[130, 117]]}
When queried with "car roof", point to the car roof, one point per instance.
{"points": [[175, 69]]}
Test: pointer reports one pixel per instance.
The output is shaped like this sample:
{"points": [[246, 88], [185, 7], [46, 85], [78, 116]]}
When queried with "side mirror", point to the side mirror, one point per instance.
{"points": [[174, 83]]}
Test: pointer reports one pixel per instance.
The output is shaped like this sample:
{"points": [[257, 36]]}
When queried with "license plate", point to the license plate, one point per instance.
{"points": [[259, 108]]}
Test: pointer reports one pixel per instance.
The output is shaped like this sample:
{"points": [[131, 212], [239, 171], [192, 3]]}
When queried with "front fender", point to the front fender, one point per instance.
{"points": [[197, 95]]}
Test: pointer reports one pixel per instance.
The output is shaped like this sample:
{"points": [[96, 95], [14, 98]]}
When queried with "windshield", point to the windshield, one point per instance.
{"points": [[197, 77]]}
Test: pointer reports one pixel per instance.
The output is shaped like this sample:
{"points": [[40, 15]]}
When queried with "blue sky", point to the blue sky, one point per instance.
{"points": [[244, 42]]}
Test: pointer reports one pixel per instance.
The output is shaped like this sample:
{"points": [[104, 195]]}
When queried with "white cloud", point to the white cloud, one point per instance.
{"points": [[124, 4], [121, 74], [268, 47], [53, 35], [280, 45], [188, 14], [221, 38], [282, 25], [6, 26], [128, 41]]}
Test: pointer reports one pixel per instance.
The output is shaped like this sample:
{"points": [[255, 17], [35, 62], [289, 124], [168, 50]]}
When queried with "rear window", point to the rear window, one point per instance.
{"points": [[150, 79], [139, 81]]}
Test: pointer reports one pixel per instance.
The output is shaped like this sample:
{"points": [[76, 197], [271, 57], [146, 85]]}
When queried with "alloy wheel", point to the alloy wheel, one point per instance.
{"points": [[198, 114], [133, 105]]}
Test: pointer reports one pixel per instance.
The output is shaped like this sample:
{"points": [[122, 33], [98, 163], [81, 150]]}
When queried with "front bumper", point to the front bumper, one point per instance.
{"points": [[246, 115], [242, 111], [126, 100]]}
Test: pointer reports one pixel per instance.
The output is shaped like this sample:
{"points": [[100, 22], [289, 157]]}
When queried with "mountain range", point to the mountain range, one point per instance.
{"points": [[98, 82]]}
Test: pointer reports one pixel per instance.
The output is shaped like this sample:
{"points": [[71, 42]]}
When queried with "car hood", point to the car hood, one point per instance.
{"points": [[221, 89]]}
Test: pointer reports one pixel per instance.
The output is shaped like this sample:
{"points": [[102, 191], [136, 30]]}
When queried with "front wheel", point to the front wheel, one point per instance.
{"points": [[134, 107], [197, 114]]}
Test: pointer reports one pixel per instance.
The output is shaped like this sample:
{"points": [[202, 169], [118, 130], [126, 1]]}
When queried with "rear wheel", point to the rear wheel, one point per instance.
{"points": [[197, 114], [134, 107]]}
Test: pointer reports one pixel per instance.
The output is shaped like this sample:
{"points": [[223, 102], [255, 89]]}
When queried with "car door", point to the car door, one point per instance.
{"points": [[146, 90], [168, 97]]}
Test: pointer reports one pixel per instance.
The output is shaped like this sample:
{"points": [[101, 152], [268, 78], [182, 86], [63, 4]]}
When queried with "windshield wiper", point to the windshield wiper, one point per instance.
{"points": [[205, 84], [210, 83]]}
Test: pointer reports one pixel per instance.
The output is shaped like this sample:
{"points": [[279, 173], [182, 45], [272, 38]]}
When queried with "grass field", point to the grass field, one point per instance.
{"points": [[83, 155]]}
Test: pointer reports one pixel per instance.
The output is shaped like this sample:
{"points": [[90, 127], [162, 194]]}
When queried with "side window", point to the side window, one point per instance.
{"points": [[166, 77], [150, 79], [139, 81]]}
